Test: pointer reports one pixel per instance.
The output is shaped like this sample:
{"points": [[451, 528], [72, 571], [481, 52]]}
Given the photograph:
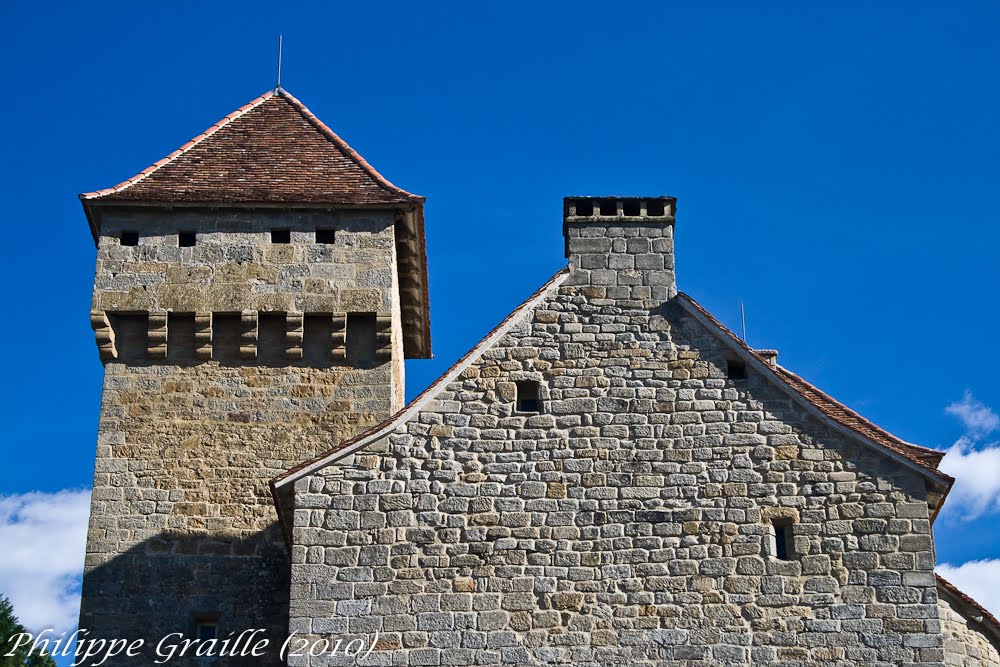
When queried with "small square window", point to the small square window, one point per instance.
{"points": [[527, 396], [187, 239], [736, 370], [281, 236], [325, 235], [129, 238]]}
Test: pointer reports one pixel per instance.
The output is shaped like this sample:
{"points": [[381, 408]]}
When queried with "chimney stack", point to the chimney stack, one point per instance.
{"points": [[625, 244]]}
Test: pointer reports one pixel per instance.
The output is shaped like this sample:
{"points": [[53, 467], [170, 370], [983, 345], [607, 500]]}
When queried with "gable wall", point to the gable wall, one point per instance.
{"points": [[966, 644], [627, 523]]}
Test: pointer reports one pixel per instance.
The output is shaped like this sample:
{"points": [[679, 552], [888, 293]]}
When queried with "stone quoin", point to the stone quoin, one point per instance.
{"points": [[610, 477]]}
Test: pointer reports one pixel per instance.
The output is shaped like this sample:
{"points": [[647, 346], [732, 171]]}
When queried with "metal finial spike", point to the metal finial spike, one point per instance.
{"points": [[278, 87], [743, 320]]}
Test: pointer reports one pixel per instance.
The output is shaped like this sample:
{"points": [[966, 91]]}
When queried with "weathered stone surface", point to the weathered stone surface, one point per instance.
{"points": [[637, 526]]}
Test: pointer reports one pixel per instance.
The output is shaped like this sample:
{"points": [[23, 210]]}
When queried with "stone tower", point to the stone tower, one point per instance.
{"points": [[256, 293]]}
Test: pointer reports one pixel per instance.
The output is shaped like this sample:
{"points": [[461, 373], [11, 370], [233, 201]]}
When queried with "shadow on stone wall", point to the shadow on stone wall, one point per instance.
{"points": [[171, 582]]}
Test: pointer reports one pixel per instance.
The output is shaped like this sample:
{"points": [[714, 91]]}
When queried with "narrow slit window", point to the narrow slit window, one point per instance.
{"points": [[281, 236], [187, 239], [129, 238], [325, 236], [783, 540], [527, 396], [736, 370]]}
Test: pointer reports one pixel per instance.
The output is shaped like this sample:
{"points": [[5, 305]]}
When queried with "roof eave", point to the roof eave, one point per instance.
{"points": [[937, 478]]}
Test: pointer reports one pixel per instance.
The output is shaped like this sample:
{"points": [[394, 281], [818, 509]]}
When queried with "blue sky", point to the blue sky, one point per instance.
{"points": [[835, 166]]}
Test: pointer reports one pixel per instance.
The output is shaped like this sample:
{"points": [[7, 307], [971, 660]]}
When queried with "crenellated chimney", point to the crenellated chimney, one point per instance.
{"points": [[622, 242]]}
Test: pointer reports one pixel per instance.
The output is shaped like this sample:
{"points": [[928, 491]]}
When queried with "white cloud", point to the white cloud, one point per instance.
{"points": [[44, 539], [979, 579], [974, 465], [977, 478], [978, 419]]}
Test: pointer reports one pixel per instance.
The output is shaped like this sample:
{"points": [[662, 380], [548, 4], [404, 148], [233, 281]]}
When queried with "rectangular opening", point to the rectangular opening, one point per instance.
{"points": [[187, 239], [131, 335], [527, 396], [325, 235], [317, 338], [361, 343], [226, 337], [281, 236], [609, 207], [655, 207], [206, 630], [736, 369], [631, 207], [180, 337], [129, 238], [585, 207], [783, 539], [271, 337]]}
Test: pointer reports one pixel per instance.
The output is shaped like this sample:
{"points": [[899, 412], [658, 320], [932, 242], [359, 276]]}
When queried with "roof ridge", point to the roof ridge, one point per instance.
{"points": [[405, 412], [253, 104], [344, 146], [789, 379]]}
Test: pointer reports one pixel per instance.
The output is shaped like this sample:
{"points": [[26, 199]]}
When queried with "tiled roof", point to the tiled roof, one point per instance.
{"points": [[272, 150], [926, 459], [971, 605]]}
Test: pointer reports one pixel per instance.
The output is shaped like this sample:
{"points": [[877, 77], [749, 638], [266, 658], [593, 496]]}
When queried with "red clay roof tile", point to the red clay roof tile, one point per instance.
{"points": [[272, 150]]}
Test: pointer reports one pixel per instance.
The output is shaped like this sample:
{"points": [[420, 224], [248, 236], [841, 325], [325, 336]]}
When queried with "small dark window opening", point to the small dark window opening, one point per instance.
{"points": [[180, 337], [325, 235], [654, 208], [187, 239], [207, 630], [226, 337], [361, 338], [281, 236], [736, 370], [782, 540], [527, 396], [585, 207], [271, 337], [609, 207], [631, 207], [129, 238]]}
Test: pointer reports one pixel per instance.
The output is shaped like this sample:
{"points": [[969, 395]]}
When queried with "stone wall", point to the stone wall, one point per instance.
{"points": [[966, 642], [183, 528], [630, 521]]}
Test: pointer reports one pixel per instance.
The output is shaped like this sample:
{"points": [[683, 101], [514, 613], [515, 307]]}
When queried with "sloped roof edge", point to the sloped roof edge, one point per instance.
{"points": [[243, 110], [988, 620], [823, 406], [358, 442]]}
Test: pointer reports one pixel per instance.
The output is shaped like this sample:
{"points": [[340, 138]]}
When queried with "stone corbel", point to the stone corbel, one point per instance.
{"points": [[203, 336], [293, 336], [104, 334], [248, 334], [338, 337], [156, 336], [383, 338]]}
